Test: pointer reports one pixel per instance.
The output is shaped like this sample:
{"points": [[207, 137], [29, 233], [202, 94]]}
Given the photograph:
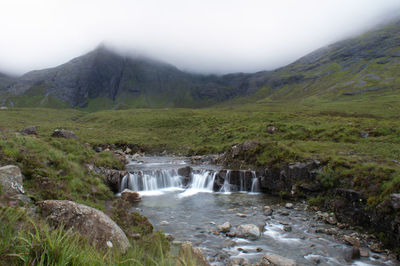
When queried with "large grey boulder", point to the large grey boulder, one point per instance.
{"points": [[11, 182], [250, 231], [276, 260], [93, 224], [66, 134]]}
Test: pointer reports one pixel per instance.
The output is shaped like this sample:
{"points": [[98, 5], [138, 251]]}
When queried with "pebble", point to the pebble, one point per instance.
{"points": [[241, 215], [164, 223], [289, 205]]}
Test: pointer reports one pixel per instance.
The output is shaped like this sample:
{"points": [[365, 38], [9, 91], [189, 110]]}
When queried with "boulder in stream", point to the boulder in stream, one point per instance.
{"points": [[225, 227], [249, 231], [276, 260], [130, 196]]}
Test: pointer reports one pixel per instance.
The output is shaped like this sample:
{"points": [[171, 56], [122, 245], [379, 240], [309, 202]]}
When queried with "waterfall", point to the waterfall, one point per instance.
{"points": [[255, 184], [226, 187], [203, 180], [154, 182]]}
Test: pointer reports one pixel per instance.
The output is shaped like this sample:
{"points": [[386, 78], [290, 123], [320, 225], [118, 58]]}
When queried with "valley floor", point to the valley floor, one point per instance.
{"points": [[357, 141]]}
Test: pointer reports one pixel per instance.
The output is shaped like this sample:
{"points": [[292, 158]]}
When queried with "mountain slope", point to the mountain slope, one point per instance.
{"points": [[104, 79], [367, 64]]}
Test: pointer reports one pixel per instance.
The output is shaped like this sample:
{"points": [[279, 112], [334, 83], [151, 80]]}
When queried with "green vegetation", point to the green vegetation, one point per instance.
{"points": [[358, 138], [39, 244]]}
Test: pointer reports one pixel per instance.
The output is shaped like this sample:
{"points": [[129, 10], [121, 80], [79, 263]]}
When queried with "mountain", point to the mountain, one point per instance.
{"points": [[366, 65], [103, 79]]}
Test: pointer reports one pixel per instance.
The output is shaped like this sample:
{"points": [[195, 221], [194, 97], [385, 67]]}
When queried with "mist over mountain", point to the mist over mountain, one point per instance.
{"points": [[104, 79]]}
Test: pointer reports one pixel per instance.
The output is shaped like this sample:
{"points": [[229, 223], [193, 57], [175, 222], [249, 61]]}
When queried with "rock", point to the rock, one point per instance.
{"points": [[241, 215], [98, 149], [272, 129], [93, 224], [169, 237], [130, 196], [350, 254], [3, 108], [128, 150], [276, 260], [259, 249], [189, 255], [249, 231], [185, 173], [66, 134], [225, 228], [364, 252], [364, 135], [267, 210], [238, 262], [164, 223], [284, 213], [11, 182], [351, 240], [289, 205], [331, 219], [32, 130], [395, 199], [287, 228], [112, 178], [375, 247]]}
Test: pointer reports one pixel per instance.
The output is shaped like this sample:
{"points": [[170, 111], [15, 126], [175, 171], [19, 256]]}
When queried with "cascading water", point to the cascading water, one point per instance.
{"points": [[145, 179]]}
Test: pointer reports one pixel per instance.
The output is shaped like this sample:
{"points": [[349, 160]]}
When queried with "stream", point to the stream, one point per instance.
{"points": [[190, 209]]}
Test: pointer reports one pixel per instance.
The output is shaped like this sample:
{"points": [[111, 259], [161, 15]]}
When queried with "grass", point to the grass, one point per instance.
{"points": [[39, 244]]}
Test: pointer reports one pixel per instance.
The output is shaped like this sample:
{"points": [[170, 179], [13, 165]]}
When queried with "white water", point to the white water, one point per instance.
{"points": [[156, 182]]}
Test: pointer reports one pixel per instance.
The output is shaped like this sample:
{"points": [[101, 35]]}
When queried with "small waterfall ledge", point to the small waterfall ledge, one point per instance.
{"points": [[189, 179]]}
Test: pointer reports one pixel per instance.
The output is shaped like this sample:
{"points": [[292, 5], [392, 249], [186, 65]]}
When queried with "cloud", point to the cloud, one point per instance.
{"points": [[202, 36]]}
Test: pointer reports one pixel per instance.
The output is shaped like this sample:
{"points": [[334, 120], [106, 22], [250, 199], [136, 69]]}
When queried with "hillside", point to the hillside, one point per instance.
{"points": [[365, 65], [103, 79]]}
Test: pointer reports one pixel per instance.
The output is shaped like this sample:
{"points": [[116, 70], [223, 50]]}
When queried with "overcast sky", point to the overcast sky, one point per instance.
{"points": [[213, 36]]}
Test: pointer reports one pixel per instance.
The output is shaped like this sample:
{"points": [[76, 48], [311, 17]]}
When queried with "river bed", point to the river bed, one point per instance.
{"points": [[193, 212]]}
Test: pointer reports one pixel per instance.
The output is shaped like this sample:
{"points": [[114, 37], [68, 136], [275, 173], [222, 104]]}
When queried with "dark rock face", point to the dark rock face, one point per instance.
{"points": [[66, 134], [240, 180], [112, 178], [104, 73], [276, 180], [97, 227], [185, 173], [219, 180], [31, 130]]}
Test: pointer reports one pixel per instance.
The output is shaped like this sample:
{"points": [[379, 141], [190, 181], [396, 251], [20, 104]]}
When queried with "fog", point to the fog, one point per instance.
{"points": [[206, 36]]}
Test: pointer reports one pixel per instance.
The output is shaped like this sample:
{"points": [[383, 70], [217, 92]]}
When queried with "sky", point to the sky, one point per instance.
{"points": [[204, 36]]}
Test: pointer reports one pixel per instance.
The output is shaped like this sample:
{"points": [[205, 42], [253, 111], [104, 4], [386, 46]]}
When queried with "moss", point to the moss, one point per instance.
{"points": [[317, 201]]}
